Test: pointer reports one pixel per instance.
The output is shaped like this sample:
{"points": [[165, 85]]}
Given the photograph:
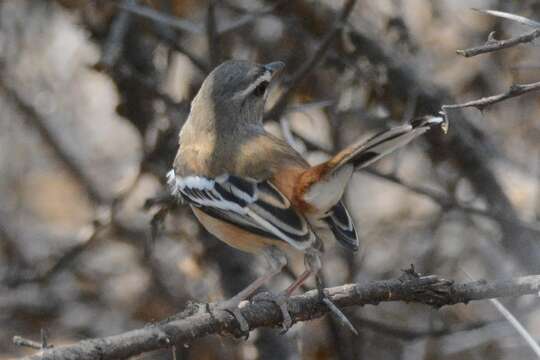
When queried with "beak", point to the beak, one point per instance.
{"points": [[274, 67]]}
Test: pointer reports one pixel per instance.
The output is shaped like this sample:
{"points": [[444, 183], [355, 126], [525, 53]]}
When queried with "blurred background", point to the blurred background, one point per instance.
{"points": [[93, 94]]}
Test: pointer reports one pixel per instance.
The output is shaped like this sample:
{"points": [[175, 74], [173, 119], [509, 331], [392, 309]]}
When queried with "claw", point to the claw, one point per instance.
{"points": [[244, 326], [234, 310], [281, 300]]}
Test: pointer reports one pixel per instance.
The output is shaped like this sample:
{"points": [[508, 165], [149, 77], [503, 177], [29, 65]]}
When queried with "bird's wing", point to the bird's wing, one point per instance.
{"points": [[257, 206], [342, 226]]}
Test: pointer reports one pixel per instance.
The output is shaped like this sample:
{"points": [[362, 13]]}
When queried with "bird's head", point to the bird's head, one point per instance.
{"points": [[235, 92]]}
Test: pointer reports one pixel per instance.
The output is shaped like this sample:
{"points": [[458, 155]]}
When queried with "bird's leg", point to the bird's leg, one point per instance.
{"points": [[276, 261], [312, 261], [323, 297], [313, 264], [298, 282]]}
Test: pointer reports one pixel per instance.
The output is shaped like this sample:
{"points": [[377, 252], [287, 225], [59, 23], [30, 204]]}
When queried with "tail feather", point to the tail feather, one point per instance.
{"points": [[383, 143], [321, 187]]}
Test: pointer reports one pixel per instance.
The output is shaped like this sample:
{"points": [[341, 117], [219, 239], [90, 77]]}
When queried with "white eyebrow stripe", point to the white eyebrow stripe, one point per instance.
{"points": [[267, 76]]}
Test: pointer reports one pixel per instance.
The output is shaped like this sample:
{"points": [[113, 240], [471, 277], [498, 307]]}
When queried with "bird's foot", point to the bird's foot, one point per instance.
{"points": [[281, 300], [232, 307]]}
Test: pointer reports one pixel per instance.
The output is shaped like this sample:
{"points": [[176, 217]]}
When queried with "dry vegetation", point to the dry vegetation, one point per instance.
{"points": [[92, 96]]}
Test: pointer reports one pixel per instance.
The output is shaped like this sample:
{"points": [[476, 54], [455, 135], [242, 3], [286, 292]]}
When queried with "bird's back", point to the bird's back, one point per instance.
{"points": [[257, 155]]}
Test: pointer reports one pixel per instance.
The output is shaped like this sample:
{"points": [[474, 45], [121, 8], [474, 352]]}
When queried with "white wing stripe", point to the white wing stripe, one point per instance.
{"points": [[274, 230], [236, 199]]}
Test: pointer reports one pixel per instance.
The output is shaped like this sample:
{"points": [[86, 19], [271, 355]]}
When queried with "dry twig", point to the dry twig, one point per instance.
{"points": [[115, 41], [482, 103], [492, 44]]}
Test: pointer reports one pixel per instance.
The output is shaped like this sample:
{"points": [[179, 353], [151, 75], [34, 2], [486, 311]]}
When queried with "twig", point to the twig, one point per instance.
{"points": [[33, 117], [461, 146], [518, 326], [87, 236], [20, 341], [448, 202], [188, 26], [115, 41], [495, 45], [482, 103], [127, 71], [520, 19], [214, 51], [430, 290], [158, 16], [407, 333], [342, 318], [247, 18], [9, 245], [514, 322], [312, 62], [168, 37], [45, 339], [104, 220]]}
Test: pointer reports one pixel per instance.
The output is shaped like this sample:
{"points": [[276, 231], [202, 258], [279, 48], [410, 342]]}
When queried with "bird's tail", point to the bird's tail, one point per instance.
{"points": [[322, 186], [365, 153]]}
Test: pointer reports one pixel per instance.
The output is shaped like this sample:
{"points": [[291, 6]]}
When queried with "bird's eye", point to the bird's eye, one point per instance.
{"points": [[261, 89]]}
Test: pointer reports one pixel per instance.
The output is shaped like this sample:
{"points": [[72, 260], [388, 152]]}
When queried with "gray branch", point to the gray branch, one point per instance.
{"points": [[514, 91], [494, 45], [196, 322]]}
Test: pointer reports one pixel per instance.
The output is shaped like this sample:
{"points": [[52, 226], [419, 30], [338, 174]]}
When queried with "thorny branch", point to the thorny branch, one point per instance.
{"points": [[492, 44], [196, 322], [482, 103], [459, 145]]}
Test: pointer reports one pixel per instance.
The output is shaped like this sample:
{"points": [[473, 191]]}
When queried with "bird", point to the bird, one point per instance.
{"points": [[253, 191]]}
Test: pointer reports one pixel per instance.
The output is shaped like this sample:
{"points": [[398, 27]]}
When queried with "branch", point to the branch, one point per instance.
{"points": [[169, 38], [196, 323], [31, 114], [506, 15], [87, 236], [158, 16], [447, 202], [183, 25], [214, 51], [115, 40], [461, 145], [313, 61], [482, 103], [492, 44]]}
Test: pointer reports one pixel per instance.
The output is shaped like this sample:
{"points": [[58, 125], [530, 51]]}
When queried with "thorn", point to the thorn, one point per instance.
{"points": [[491, 38], [44, 337], [340, 315]]}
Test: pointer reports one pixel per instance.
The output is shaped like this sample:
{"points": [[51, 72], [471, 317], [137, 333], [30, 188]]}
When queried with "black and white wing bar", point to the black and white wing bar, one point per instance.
{"points": [[257, 206]]}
